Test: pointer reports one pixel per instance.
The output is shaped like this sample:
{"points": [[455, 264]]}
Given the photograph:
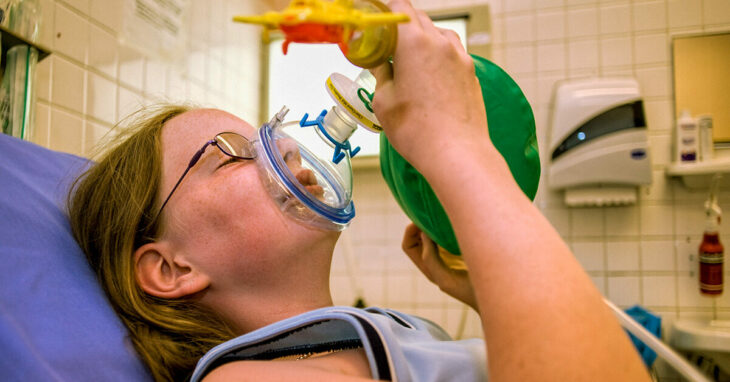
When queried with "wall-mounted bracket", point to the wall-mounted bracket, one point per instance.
{"points": [[11, 39]]}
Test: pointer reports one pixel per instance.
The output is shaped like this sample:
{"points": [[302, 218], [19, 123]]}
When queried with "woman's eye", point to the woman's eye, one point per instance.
{"points": [[228, 161], [288, 156]]}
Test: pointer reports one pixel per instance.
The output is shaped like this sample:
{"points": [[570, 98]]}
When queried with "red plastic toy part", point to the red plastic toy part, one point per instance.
{"points": [[316, 33]]}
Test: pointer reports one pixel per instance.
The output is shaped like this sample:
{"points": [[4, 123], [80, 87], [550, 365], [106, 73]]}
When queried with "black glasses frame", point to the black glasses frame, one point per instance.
{"points": [[219, 141]]}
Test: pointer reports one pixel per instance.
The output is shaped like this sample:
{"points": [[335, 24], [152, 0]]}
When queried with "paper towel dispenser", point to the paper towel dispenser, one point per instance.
{"points": [[598, 143]]}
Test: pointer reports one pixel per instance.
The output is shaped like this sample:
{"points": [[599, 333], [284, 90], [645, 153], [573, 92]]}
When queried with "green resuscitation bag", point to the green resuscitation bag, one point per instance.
{"points": [[512, 131]]}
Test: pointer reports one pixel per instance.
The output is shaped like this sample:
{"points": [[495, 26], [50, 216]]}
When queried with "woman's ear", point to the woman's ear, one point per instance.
{"points": [[161, 273]]}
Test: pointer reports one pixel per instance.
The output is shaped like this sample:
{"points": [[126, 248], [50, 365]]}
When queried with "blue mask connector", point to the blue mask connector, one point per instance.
{"points": [[339, 146]]}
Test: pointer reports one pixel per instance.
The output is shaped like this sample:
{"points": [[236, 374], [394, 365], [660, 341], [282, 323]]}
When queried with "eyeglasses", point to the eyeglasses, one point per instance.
{"points": [[232, 144]]}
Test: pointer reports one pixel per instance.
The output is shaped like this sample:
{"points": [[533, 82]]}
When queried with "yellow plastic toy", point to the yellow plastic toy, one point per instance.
{"points": [[365, 30]]}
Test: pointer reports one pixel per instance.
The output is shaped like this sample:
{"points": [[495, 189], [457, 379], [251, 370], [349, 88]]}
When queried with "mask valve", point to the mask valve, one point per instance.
{"points": [[353, 107], [335, 128]]}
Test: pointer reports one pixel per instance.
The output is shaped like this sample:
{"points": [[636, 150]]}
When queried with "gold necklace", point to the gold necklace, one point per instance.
{"points": [[319, 354], [307, 355], [317, 350]]}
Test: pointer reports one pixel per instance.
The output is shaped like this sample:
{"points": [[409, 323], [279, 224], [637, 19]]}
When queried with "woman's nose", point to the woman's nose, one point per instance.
{"points": [[289, 150]]}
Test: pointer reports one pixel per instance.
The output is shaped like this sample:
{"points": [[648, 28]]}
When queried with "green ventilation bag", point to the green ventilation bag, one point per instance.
{"points": [[512, 130]]}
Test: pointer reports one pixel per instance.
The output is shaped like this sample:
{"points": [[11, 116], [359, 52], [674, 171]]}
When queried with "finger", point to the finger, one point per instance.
{"points": [[420, 21], [412, 228], [383, 74], [410, 31], [405, 6], [434, 266], [452, 37], [415, 253], [429, 255], [411, 237], [413, 247], [427, 260], [406, 2], [426, 22]]}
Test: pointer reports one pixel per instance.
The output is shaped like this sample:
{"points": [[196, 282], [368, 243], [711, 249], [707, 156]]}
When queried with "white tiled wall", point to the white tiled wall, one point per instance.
{"points": [[642, 254], [92, 80]]}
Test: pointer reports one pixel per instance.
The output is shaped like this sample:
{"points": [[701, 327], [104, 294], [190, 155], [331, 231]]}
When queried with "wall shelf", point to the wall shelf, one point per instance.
{"points": [[699, 174], [11, 39]]}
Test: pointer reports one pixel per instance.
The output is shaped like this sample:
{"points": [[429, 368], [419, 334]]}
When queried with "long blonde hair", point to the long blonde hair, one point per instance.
{"points": [[111, 208]]}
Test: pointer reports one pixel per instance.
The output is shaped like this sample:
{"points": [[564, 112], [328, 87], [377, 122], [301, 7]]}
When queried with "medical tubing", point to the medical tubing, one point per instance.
{"points": [[678, 362]]}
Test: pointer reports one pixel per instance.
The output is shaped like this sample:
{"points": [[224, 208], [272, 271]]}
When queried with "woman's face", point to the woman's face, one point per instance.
{"points": [[221, 216]]}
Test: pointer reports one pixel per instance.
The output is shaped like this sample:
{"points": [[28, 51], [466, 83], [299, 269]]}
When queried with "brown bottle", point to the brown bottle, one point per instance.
{"points": [[711, 264]]}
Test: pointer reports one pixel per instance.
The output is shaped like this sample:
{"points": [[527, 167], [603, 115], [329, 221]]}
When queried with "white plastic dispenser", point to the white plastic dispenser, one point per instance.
{"points": [[688, 138], [598, 143]]}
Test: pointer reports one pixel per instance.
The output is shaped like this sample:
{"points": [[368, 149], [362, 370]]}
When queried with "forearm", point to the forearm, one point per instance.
{"points": [[542, 317]]}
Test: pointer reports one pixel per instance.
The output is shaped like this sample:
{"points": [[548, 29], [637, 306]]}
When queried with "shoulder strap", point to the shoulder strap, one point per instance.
{"points": [[318, 330]]}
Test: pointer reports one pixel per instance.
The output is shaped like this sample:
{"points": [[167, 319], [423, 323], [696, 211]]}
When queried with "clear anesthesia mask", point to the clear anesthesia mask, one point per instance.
{"points": [[301, 177], [305, 163]]}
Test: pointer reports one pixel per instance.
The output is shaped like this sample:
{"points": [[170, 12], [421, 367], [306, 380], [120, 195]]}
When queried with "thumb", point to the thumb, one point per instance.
{"points": [[383, 74], [431, 264]]}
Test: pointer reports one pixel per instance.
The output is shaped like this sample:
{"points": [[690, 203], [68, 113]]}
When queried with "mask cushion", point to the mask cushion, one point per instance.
{"points": [[512, 131]]}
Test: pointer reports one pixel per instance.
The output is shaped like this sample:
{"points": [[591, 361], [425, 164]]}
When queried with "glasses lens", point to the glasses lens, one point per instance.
{"points": [[235, 145]]}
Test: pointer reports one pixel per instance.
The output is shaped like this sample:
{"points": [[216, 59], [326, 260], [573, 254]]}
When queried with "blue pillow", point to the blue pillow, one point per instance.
{"points": [[55, 321]]}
